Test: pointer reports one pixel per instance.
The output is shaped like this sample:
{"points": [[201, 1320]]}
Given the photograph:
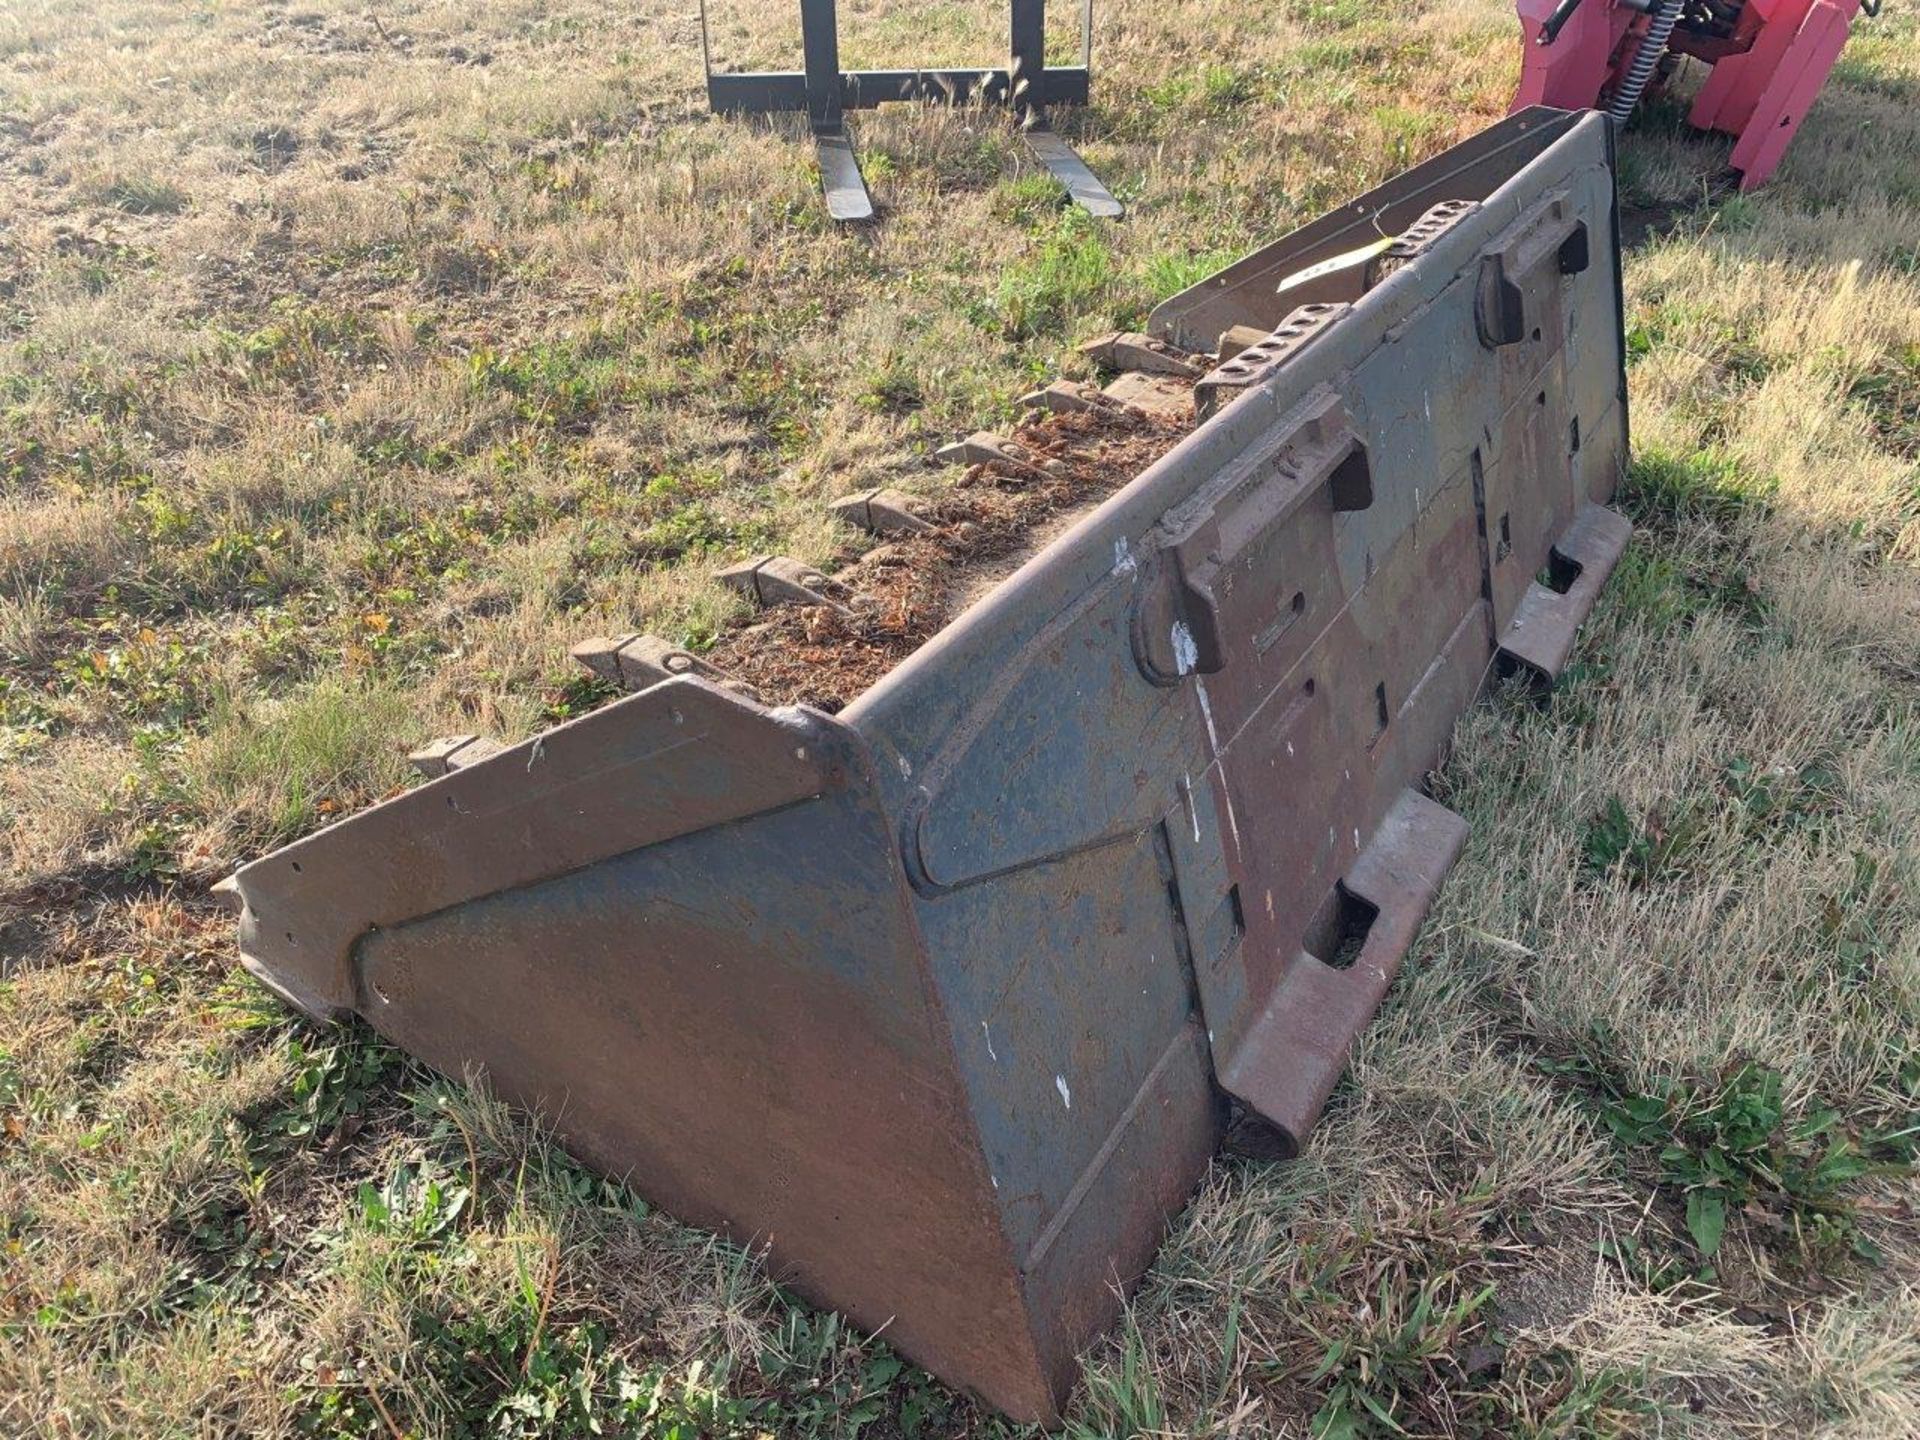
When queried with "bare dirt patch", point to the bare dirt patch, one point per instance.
{"points": [[904, 593]]}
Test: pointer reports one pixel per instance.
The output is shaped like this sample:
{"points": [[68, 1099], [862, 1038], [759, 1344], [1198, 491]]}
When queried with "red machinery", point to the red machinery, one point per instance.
{"points": [[1769, 58]]}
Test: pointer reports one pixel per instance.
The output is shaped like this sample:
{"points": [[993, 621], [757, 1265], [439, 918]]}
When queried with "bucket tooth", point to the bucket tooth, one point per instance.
{"points": [[1237, 338], [983, 447], [778, 580], [1163, 396], [1130, 350], [636, 661], [882, 512], [1261, 360], [1065, 396], [452, 752], [601, 654]]}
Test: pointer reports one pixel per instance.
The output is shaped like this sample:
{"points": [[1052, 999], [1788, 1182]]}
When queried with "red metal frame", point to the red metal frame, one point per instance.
{"points": [[1583, 61], [1766, 72]]}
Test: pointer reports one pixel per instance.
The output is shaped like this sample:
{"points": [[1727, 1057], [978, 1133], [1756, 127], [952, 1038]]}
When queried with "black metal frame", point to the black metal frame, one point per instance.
{"points": [[825, 92]]}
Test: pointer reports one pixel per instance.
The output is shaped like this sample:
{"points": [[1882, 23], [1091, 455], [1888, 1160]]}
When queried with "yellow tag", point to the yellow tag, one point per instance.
{"points": [[1335, 264]]}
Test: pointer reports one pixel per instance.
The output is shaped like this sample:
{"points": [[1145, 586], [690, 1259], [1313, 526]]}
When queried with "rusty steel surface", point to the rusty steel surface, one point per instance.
{"points": [[948, 999]]}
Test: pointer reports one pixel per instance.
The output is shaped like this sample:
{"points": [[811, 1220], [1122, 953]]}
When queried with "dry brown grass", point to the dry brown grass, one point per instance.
{"points": [[354, 362]]}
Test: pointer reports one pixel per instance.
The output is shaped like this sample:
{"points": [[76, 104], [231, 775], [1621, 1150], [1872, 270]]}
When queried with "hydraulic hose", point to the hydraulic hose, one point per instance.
{"points": [[1646, 59], [1556, 22]]}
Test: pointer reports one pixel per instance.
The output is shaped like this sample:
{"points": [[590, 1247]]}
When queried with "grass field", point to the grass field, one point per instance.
{"points": [[355, 361]]}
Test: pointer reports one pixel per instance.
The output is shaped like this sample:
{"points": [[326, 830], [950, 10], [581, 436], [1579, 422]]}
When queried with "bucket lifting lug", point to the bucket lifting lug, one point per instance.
{"points": [[1540, 636], [1288, 1060], [1222, 553], [1549, 232], [1261, 360]]}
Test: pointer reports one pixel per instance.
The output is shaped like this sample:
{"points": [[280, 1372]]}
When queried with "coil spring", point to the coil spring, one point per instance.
{"points": [[1646, 58]]}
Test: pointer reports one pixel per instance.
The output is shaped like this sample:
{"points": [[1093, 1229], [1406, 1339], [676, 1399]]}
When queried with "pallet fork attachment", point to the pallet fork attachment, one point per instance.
{"points": [[947, 998], [826, 92]]}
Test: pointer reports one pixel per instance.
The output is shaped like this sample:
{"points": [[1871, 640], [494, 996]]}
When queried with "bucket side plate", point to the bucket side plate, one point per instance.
{"points": [[678, 930]]}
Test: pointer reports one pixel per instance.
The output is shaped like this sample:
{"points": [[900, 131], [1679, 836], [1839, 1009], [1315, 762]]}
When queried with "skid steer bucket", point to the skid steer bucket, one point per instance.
{"points": [[947, 998]]}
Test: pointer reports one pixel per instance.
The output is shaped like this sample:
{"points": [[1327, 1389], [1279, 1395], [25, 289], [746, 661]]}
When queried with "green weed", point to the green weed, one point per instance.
{"points": [[1552, 1396], [144, 675], [1662, 486], [695, 529], [554, 385], [143, 195], [334, 1083], [272, 771], [1028, 200], [570, 1183], [1685, 324], [1212, 90], [575, 696], [830, 1383], [1407, 132], [232, 1244], [1123, 1403], [1373, 1372], [1648, 585], [499, 1377], [1728, 1146], [1067, 274], [1856, 929], [296, 345], [892, 385], [1889, 395], [1783, 797], [1640, 851], [1167, 275], [1329, 14], [414, 1204]]}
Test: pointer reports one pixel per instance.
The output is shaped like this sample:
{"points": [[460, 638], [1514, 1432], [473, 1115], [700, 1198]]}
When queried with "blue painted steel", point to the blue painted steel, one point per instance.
{"points": [[944, 999]]}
